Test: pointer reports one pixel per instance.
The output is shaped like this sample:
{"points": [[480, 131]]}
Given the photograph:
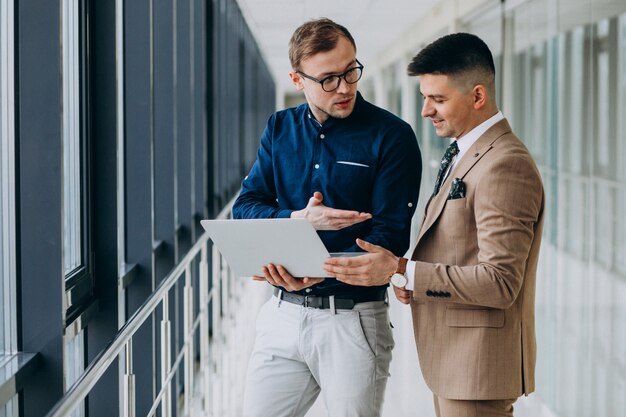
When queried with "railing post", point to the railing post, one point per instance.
{"points": [[217, 330], [188, 326], [228, 329], [204, 327], [166, 404], [129, 382]]}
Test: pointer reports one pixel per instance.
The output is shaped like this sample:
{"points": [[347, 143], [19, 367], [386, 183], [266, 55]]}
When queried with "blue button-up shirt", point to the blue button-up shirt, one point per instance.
{"points": [[368, 162]]}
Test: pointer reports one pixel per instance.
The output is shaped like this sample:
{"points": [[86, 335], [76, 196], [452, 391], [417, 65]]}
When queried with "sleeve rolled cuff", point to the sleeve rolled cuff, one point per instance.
{"points": [[410, 275], [284, 214]]}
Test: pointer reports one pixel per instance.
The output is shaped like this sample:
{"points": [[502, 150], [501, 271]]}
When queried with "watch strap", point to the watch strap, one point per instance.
{"points": [[401, 269]]}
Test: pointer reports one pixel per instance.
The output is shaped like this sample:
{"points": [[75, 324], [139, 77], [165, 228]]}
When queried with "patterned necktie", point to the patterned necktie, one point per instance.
{"points": [[451, 152]]}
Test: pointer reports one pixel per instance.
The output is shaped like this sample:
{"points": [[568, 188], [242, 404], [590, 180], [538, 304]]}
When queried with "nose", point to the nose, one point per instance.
{"points": [[427, 109], [344, 87]]}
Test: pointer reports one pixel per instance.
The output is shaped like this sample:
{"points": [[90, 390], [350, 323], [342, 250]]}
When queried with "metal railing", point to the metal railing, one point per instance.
{"points": [[215, 388]]}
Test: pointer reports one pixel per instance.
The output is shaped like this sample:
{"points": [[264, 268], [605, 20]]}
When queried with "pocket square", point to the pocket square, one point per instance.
{"points": [[457, 190]]}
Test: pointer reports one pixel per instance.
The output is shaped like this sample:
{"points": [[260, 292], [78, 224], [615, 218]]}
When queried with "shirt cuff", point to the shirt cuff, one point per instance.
{"points": [[410, 275], [284, 214]]}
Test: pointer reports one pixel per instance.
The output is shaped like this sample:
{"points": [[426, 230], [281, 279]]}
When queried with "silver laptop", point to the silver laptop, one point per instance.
{"points": [[248, 245]]}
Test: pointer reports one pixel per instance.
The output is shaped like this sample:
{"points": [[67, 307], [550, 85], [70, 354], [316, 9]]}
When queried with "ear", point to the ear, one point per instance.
{"points": [[480, 95], [296, 80]]}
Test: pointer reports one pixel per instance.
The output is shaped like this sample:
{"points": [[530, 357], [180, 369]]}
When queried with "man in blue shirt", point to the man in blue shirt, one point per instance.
{"points": [[353, 171]]}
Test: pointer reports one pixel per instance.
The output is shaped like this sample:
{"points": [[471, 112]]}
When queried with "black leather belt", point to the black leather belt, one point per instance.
{"points": [[316, 301]]}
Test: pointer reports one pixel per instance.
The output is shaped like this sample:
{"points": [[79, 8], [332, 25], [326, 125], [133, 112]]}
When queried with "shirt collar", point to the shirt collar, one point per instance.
{"points": [[331, 120], [472, 136]]}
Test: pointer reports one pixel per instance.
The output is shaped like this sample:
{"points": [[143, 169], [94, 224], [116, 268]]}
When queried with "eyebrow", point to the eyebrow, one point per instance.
{"points": [[433, 95], [346, 68]]}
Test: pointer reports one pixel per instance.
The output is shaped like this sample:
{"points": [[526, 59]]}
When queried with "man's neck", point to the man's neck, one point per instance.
{"points": [[481, 118]]}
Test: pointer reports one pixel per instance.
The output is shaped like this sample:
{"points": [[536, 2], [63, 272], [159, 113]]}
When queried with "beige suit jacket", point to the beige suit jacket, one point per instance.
{"points": [[474, 293]]}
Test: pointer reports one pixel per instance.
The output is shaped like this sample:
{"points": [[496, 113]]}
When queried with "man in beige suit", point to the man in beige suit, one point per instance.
{"points": [[471, 278]]}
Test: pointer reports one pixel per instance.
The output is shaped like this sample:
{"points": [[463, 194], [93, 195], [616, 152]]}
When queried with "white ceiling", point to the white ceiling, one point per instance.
{"points": [[374, 24]]}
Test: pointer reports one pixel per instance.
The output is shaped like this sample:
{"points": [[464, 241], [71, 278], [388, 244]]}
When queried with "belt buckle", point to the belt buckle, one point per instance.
{"points": [[313, 301]]}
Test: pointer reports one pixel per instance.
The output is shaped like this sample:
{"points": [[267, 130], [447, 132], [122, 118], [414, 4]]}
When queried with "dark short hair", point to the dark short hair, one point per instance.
{"points": [[456, 54], [313, 37]]}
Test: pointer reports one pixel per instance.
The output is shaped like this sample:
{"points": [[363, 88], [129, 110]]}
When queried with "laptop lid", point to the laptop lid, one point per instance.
{"points": [[249, 244]]}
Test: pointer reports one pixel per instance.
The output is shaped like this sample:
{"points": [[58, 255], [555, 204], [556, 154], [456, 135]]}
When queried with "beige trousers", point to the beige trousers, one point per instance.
{"points": [[302, 352], [473, 408]]}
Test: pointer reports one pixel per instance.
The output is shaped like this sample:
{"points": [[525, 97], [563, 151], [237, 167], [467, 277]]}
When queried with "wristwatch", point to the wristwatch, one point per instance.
{"points": [[399, 279]]}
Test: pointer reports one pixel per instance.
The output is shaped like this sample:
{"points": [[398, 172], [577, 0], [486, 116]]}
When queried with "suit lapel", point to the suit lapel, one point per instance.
{"points": [[482, 145]]}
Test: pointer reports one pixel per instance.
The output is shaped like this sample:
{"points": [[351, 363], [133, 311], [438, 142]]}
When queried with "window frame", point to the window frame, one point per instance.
{"points": [[78, 283], [7, 180]]}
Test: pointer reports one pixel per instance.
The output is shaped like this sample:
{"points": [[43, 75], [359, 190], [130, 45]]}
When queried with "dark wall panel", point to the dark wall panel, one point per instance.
{"points": [[164, 136], [183, 112], [138, 192], [103, 401], [39, 196]]}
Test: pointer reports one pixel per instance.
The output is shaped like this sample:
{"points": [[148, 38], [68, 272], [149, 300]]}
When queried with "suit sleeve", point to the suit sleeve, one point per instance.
{"points": [[395, 192], [508, 202]]}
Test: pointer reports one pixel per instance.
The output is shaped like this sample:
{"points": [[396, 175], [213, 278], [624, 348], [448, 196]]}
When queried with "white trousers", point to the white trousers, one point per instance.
{"points": [[300, 352]]}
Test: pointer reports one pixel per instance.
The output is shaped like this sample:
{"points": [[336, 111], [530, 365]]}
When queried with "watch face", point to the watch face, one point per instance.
{"points": [[399, 280]]}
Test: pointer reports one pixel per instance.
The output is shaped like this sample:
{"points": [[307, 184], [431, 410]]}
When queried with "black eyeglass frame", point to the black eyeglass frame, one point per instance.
{"points": [[339, 77]]}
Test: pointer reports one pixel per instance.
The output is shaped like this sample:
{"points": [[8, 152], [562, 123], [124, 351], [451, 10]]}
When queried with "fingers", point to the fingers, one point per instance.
{"points": [[348, 215], [326, 218], [316, 200], [353, 264], [404, 296], [344, 220], [308, 282], [277, 275], [360, 276], [369, 247]]}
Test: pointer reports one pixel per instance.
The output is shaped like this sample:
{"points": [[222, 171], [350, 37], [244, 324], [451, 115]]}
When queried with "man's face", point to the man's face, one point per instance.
{"points": [[449, 108], [338, 103]]}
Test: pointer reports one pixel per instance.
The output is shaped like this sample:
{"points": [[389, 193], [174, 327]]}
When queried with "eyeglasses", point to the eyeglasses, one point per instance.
{"points": [[331, 83]]}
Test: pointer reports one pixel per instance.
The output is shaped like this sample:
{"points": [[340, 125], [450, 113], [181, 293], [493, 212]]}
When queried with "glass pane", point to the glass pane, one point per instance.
{"points": [[72, 173], [8, 338], [3, 196], [621, 110], [74, 366], [603, 148], [10, 409]]}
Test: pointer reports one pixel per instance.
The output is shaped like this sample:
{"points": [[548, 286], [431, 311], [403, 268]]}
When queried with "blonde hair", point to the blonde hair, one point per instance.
{"points": [[313, 37]]}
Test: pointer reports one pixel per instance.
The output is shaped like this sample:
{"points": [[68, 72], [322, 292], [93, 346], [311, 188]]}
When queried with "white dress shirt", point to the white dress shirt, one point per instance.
{"points": [[464, 143]]}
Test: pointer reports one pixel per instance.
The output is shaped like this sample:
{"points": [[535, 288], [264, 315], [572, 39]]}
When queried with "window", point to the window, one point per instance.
{"points": [[8, 339], [8, 329], [620, 233], [76, 248], [76, 239], [74, 232]]}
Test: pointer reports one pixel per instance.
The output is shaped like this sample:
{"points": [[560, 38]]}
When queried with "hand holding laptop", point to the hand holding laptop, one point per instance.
{"points": [[326, 218], [277, 275], [369, 269], [250, 246]]}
